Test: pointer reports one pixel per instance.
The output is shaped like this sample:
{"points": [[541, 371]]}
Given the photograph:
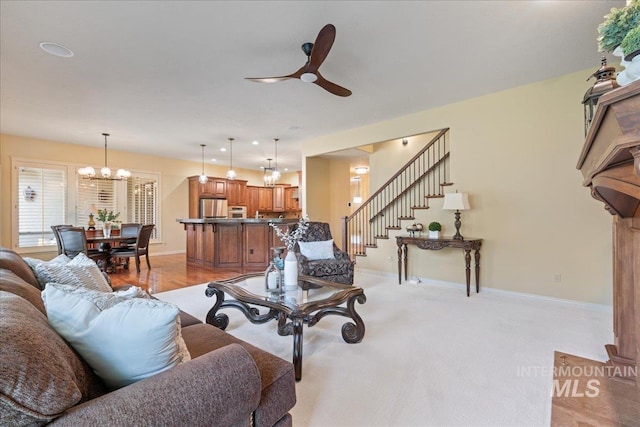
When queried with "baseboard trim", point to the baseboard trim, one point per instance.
{"points": [[442, 283]]}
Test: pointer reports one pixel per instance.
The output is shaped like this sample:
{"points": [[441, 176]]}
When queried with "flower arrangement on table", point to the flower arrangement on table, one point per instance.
{"points": [[287, 237], [105, 215]]}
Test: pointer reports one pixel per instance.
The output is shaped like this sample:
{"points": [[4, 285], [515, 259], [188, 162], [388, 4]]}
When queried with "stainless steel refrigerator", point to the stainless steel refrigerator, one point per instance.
{"points": [[213, 208]]}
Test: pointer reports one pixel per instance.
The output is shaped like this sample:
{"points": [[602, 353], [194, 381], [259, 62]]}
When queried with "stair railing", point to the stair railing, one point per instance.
{"points": [[420, 179]]}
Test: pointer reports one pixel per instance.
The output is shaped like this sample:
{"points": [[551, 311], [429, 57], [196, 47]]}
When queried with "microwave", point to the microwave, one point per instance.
{"points": [[237, 212]]}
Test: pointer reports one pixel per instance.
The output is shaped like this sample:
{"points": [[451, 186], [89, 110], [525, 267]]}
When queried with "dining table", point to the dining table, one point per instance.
{"points": [[106, 244]]}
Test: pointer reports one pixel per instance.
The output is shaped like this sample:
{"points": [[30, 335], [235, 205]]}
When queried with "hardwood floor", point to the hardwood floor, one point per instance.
{"points": [[167, 272]]}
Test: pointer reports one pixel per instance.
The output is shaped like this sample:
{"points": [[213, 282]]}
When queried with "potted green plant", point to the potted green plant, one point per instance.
{"points": [[616, 25], [630, 45], [434, 230], [107, 217]]}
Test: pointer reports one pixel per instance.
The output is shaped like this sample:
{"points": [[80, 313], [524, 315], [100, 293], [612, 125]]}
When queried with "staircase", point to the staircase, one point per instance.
{"points": [[422, 178]]}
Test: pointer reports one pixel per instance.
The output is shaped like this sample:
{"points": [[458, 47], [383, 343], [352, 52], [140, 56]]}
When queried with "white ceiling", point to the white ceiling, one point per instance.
{"points": [[164, 77]]}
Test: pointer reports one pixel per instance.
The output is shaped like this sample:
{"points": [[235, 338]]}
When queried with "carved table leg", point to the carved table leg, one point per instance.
{"points": [[477, 270], [467, 261], [406, 260], [354, 333], [399, 264], [221, 320], [297, 347]]}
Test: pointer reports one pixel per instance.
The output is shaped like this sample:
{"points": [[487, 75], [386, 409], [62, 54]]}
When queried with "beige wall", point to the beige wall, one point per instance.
{"points": [[173, 181], [515, 153]]}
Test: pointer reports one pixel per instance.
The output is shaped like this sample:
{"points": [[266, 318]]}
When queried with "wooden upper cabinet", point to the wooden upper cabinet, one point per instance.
{"points": [[265, 199], [237, 193], [291, 204], [278, 198], [215, 187], [253, 200]]}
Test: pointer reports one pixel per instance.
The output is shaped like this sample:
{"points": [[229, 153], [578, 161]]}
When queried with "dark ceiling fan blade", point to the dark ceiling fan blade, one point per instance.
{"points": [[331, 87], [321, 47], [295, 75]]}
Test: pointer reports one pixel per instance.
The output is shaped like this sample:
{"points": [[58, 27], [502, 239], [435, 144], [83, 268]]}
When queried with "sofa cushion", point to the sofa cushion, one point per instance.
{"points": [[81, 271], [10, 282], [278, 381], [40, 375], [14, 262], [317, 250], [123, 337], [35, 262]]}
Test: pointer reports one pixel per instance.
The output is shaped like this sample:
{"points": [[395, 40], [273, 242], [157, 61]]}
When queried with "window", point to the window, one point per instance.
{"points": [[142, 200], [136, 199], [45, 196], [41, 203]]}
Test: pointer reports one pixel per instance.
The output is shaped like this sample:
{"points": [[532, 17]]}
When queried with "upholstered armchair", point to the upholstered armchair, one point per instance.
{"points": [[337, 269]]}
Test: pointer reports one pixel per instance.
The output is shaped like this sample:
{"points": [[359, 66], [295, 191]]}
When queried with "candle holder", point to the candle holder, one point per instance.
{"points": [[273, 275]]}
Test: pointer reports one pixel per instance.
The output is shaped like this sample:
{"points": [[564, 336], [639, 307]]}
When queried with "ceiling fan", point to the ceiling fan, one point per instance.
{"points": [[308, 73]]}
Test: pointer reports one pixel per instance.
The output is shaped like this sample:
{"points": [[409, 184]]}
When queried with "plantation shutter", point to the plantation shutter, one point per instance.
{"points": [[41, 203], [101, 193], [143, 203]]}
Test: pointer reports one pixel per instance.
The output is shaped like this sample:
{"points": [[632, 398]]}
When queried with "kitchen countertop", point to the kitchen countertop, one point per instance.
{"points": [[236, 220]]}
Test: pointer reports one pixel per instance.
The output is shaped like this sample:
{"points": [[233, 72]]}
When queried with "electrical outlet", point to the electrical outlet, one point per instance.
{"points": [[557, 278]]}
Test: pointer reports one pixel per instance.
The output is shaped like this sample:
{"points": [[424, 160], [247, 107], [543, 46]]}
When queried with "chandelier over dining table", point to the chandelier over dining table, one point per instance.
{"points": [[89, 172]]}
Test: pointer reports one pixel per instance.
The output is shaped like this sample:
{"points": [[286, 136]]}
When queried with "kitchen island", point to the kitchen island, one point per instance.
{"points": [[242, 245]]}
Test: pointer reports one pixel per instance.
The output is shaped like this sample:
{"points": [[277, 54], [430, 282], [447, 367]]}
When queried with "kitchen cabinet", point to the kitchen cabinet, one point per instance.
{"points": [[291, 199], [253, 200], [278, 198], [239, 245], [265, 199], [214, 187], [236, 192], [228, 241], [257, 244]]}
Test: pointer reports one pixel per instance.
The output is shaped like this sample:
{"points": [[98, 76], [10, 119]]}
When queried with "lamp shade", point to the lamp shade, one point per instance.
{"points": [[456, 201], [90, 209]]}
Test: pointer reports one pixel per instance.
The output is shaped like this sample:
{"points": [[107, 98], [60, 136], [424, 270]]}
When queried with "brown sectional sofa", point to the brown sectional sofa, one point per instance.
{"points": [[43, 380]]}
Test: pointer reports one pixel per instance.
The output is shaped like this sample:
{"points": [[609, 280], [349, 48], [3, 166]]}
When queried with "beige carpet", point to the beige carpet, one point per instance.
{"points": [[430, 355]]}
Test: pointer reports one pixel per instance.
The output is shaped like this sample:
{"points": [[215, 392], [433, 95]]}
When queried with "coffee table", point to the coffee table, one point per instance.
{"points": [[311, 301]]}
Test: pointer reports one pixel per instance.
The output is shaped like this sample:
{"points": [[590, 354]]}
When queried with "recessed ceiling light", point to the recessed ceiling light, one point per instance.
{"points": [[56, 49], [223, 149], [255, 143], [213, 160]]}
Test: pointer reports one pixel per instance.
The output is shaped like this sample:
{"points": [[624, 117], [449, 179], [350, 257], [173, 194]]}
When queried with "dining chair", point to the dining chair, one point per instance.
{"points": [[73, 240], [56, 234], [140, 248], [129, 230]]}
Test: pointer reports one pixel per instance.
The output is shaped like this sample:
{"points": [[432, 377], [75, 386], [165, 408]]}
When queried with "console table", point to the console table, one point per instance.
{"points": [[467, 244]]}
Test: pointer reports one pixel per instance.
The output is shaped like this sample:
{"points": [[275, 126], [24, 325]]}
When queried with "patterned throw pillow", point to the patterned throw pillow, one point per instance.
{"points": [[81, 271], [123, 337], [35, 262], [317, 250]]}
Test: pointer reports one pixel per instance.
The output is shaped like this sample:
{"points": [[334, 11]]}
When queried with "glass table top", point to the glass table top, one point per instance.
{"points": [[309, 290]]}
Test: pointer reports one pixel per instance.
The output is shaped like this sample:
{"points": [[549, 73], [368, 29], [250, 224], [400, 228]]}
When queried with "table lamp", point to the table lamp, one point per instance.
{"points": [[458, 202]]}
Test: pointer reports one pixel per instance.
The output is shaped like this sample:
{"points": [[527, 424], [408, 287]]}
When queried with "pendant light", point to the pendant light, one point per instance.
{"points": [[203, 178], [231, 174], [275, 175], [269, 181], [90, 173]]}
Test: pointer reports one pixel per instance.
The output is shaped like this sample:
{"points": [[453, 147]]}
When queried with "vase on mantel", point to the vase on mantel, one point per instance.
{"points": [[631, 64], [290, 271]]}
